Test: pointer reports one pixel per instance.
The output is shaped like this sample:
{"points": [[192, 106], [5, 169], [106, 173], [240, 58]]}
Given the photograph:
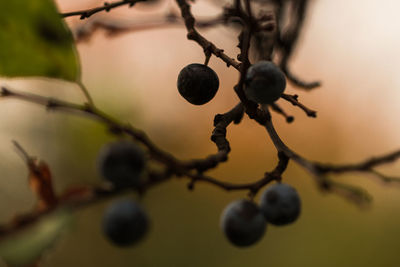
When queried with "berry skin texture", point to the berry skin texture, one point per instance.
{"points": [[197, 83], [280, 204], [121, 163], [243, 223], [125, 223], [265, 82]]}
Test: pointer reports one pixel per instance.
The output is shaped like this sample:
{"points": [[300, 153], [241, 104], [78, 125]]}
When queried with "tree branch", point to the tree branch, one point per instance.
{"points": [[221, 122], [293, 99], [275, 107], [107, 6], [194, 35], [115, 27], [288, 39]]}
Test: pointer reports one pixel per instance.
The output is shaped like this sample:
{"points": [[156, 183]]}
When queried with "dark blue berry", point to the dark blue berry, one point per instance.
{"points": [[280, 204], [265, 82], [125, 223], [243, 223], [121, 163]]}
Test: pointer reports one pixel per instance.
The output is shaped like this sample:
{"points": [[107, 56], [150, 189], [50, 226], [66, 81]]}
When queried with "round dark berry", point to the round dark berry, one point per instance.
{"points": [[280, 204], [265, 82], [197, 83], [121, 163], [125, 223], [243, 223]]}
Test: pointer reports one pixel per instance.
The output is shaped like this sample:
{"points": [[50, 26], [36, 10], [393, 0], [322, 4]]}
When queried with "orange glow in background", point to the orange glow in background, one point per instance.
{"points": [[351, 46]]}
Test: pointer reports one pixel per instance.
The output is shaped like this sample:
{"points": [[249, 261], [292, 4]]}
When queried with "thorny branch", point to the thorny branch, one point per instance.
{"points": [[195, 169]]}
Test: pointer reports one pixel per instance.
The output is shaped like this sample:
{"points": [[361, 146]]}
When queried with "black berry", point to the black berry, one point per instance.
{"points": [[197, 83]]}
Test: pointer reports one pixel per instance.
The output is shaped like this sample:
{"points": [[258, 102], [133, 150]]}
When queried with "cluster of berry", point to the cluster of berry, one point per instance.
{"points": [[122, 163], [265, 83], [243, 222]]}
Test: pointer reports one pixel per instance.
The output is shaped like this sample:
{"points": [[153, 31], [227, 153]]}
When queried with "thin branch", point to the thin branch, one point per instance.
{"points": [[385, 178], [363, 166], [297, 81], [293, 99], [221, 122], [283, 148], [194, 35], [85, 91], [353, 193], [275, 107], [248, 8], [85, 197], [113, 124], [253, 187], [21, 151], [116, 27], [107, 6], [288, 40]]}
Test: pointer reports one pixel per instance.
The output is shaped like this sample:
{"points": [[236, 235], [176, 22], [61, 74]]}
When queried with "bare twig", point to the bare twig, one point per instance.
{"points": [[85, 91], [275, 107], [21, 151], [253, 187], [288, 39], [320, 170], [295, 102], [115, 27], [194, 35], [221, 122], [297, 81], [385, 178], [364, 166], [107, 6]]}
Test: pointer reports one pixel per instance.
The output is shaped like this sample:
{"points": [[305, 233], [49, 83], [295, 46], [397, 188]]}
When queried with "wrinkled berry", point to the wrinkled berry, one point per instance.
{"points": [[197, 83]]}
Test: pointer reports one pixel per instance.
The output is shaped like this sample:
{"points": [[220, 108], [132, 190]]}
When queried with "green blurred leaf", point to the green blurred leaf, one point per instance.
{"points": [[34, 41], [29, 245]]}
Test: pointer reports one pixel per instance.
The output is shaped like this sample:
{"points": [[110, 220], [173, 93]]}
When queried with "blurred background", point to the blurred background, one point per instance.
{"points": [[351, 46]]}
